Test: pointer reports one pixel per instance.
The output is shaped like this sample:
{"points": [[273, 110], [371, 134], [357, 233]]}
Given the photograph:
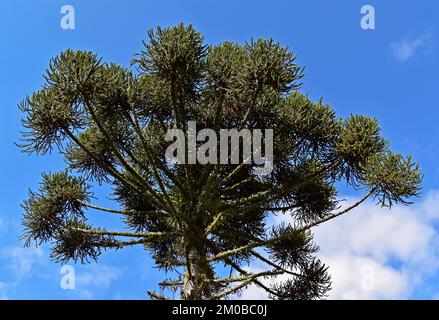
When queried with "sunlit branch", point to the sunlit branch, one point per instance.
{"points": [[235, 171], [147, 235], [236, 267], [121, 244], [157, 296], [214, 223], [176, 283], [248, 276], [238, 184], [255, 281], [234, 289], [122, 212]]}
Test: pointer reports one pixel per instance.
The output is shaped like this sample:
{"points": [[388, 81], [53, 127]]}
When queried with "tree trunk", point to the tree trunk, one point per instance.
{"points": [[198, 270]]}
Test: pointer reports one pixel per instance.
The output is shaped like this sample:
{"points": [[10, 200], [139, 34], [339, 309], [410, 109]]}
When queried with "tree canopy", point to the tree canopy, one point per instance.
{"points": [[203, 223]]}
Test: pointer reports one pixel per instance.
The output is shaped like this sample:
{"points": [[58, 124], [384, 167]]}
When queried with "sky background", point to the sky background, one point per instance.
{"points": [[389, 73]]}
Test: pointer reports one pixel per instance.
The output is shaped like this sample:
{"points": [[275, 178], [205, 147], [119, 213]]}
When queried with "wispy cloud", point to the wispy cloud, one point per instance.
{"points": [[99, 276], [22, 265], [21, 262], [407, 48], [95, 277], [22, 259]]}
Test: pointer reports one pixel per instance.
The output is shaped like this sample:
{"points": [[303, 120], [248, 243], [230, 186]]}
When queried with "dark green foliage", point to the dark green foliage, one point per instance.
{"points": [[293, 249], [57, 202], [88, 163], [76, 245], [360, 139], [174, 53], [109, 123], [313, 283], [396, 178], [267, 64]]}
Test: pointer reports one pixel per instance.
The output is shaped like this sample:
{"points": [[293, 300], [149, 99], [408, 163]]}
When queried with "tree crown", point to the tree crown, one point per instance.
{"points": [[109, 123]]}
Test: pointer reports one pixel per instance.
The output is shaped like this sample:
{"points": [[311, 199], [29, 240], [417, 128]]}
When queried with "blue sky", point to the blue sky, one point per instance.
{"points": [[390, 73]]}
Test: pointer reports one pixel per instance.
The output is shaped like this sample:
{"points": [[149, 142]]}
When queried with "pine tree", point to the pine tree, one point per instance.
{"points": [[208, 222]]}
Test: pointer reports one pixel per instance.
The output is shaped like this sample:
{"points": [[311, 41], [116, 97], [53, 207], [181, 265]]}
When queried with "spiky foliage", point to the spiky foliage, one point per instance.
{"points": [[109, 123]]}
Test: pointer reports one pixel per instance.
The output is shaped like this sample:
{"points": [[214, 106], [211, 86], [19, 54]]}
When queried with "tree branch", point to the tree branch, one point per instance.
{"points": [[122, 212], [106, 166], [272, 194], [272, 240], [137, 128], [335, 215], [225, 293], [157, 296], [145, 236], [121, 244], [255, 281], [157, 177], [248, 276], [272, 264], [214, 223], [144, 184]]}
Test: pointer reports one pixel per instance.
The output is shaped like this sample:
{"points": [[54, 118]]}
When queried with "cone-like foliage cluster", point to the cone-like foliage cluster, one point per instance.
{"points": [[109, 122]]}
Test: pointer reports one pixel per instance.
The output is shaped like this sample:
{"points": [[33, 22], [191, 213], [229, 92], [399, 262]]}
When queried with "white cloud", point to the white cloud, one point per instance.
{"points": [[377, 253], [430, 205], [362, 277], [405, 49], [402, 233], [93, 279], [27, 262], [397, 246], [22, 264], [96, 277]]}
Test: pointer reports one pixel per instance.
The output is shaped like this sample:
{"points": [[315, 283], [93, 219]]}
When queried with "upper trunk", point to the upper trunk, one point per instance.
{"points": [[196, 284]]}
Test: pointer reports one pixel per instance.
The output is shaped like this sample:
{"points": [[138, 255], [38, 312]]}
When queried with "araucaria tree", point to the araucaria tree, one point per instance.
{"points": [[202, 223]]}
